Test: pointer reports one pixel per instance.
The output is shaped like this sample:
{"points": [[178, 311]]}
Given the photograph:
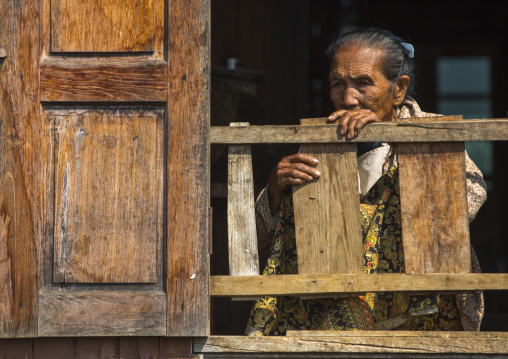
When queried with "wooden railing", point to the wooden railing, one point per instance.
{"points": [[443, 274]]}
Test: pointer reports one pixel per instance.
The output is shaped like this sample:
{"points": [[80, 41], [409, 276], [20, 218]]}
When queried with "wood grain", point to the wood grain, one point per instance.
{"points": [[95, 348], [359, 342], [188, 176], [102, 26], [435, 225], [354, 284], [436, 130], [102, 313], [242, 237], [172, 348], [327, 225], [16, 348], [79, 80], [139, 348], [54, 348], [108, 196], [21, 152]]}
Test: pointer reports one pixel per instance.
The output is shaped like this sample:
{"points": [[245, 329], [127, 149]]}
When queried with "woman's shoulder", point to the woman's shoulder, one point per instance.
{"points": [[410, 108]]}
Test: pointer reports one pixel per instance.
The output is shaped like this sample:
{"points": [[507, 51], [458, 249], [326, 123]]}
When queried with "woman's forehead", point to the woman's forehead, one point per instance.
{"points": [[357, 58]]}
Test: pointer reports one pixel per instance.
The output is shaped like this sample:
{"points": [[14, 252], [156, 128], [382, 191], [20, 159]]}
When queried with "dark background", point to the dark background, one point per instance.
{"points": [[283, 78]]}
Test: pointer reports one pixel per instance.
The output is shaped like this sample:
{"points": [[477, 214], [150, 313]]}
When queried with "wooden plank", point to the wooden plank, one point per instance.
{"points": [[225, 286], [81, 80], [139, 348], [108, 196], [359, 342], [438, 130], [435, 225], [242, 237], [22, 144], [327, 225], [16, 348], [187, 170], [173, 348], [54, 348], [102, 26], [95, 348], [102, 313]]}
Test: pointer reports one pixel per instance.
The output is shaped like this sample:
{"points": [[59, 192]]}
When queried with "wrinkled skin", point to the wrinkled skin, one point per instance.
{"points": [[360, 94]]}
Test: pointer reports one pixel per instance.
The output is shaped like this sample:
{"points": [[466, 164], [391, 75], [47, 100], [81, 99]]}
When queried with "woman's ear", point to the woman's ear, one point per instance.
{"points": [[401, 88]]}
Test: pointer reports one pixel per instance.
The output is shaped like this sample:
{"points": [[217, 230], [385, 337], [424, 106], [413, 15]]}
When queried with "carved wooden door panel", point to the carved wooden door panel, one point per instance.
{"points": [[104, 179]]}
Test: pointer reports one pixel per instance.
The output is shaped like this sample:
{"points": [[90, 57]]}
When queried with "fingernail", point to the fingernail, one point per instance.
{"points": [[315, 160], [330, 117], [318, 173]]}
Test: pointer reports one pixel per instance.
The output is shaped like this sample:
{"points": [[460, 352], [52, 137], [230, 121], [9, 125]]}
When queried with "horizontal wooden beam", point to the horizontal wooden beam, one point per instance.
{"points": [[111, 81], [389, 343], [417, 130], [254, 286], [98, 313]]}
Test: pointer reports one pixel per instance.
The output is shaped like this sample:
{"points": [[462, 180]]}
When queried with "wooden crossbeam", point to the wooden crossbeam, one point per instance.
{"points": [[255, 286], [437, 129], [345, 344]]}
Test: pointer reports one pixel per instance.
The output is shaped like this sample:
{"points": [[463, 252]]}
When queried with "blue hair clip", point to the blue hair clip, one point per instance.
{"points": [[409, 48]]}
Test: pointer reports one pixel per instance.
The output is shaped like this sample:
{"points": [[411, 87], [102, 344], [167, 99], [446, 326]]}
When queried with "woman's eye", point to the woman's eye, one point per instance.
{"points": [[364, 83]]}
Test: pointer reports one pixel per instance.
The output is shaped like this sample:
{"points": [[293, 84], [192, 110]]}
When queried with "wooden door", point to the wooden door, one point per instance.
{"points": [[104, 167]]}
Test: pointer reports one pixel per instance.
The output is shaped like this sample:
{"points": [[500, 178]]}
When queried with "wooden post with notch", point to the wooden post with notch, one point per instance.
{"points": [[327, 212]]}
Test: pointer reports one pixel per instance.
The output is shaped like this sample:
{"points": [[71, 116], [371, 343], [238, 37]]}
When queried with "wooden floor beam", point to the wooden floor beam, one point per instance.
{"points": [[391, 344]]}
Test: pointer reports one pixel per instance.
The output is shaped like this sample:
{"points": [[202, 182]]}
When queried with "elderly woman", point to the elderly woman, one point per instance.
{"points": [[370, 73]]}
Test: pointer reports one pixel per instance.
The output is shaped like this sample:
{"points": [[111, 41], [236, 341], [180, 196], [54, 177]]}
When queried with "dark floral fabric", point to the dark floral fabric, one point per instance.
{"points": [[381, 230]]}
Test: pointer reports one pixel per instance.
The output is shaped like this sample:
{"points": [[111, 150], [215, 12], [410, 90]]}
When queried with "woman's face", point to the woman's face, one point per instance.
{"points": [[357, 82]]}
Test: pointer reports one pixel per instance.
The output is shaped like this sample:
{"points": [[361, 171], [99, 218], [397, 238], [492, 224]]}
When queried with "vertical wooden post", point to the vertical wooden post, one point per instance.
{"points": [[327, 212], [435, 226], [242, 237]]}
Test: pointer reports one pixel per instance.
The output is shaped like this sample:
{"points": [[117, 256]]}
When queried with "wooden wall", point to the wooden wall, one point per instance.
{"points": [[96, 348]]}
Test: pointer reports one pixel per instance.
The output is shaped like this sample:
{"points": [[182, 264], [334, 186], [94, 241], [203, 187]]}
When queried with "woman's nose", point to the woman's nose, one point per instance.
{"points": [[350, 97]]}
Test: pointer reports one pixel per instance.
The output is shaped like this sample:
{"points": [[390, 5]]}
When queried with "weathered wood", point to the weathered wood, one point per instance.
{"points": [[327, 226], [55, 348], [138, 348], [435, 225], [224, 286], [108, 201], [78, 80], [102, 314], [360, 342], [173, 348], [438, 130], [242, 237], [187, 171], [102, 25], [95, 348], [21, 143], [16, 348]]}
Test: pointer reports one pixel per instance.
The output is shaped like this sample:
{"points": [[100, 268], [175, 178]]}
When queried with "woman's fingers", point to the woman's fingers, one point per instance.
{"points": [[294, 169], [291, 170], [352, 122]]}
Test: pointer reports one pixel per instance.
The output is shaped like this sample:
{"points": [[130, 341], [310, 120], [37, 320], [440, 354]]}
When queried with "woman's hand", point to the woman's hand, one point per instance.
{"points": [[291, 170], [352, 122]]}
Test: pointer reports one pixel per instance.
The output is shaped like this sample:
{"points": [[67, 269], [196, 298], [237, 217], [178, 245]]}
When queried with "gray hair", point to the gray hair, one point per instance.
{"points": [[397, 59]]}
